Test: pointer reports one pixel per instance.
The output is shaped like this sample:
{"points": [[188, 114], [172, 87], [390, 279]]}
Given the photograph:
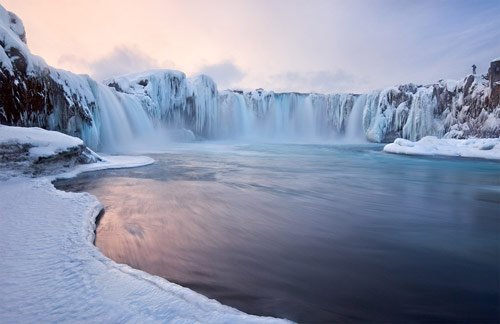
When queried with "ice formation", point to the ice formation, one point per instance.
{"points": [[161, 104]]}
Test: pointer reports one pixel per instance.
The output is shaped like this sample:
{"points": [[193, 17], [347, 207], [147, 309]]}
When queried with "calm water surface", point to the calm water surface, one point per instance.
{"points": [[312, 233]]}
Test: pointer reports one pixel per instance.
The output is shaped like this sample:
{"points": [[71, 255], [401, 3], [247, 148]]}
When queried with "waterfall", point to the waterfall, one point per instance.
{"points": [[152, 106], [354, 130], [269, 116], [119, 122], [195, 104], [155, 106]]}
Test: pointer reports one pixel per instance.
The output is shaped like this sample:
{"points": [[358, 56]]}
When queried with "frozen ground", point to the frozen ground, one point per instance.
{"points": [[484, 148], [52, 272]]}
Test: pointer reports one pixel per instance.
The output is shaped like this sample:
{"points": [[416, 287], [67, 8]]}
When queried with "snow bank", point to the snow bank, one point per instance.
{"points": [[50, 269], [484, 148], [42, 143], [35, 151]]}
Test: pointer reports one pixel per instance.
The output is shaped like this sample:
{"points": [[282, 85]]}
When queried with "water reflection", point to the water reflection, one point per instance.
{"points": [[311, 233]]}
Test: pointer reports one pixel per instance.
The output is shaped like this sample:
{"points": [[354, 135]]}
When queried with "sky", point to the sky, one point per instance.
{"points": [[283, 45]]}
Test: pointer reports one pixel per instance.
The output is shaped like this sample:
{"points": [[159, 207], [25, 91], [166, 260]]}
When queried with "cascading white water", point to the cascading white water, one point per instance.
{"points": [[195, 104], [119, 122], [354, 130], [268, 116], [194, 107], [237, 118], [422, 116]]}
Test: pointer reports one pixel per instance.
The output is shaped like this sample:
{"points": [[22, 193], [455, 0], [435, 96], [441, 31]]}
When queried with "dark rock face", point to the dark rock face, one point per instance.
{"points": [[32, 93], [32, 99], [16, 156], [67, 159], [494, 79]]}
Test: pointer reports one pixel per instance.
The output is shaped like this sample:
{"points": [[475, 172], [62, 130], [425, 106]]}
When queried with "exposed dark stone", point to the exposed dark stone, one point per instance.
{"points": [[115, 86], [494, 78]]}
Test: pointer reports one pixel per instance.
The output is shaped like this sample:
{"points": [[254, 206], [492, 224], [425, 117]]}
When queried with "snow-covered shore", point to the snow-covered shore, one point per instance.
{"points": [[483, 148], [50, 269]]}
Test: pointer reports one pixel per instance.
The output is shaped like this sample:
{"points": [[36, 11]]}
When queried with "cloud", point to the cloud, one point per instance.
{"points": [[121, 60], [385, 42], [73, 61], [226, 74], [317, 81]]}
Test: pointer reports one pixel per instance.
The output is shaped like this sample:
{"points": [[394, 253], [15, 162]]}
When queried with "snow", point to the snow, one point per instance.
{"points": [[484, 148], [43, 143], [11, 34], [52, 272], [451, 85]]}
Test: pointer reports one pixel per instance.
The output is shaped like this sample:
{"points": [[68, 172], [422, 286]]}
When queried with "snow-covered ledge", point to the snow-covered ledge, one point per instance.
{"points": [[484, 148], [50, 269]]}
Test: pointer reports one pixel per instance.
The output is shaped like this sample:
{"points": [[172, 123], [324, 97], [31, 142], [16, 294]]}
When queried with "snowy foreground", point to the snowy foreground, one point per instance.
{"points": [[52, 272], [484, 148]]}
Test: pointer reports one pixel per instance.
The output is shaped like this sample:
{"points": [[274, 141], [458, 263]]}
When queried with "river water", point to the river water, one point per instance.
{"points": [[312, 233]]}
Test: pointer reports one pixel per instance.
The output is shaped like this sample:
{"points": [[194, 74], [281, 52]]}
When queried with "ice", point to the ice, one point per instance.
{"points": [[484, 148], [421, 120]]}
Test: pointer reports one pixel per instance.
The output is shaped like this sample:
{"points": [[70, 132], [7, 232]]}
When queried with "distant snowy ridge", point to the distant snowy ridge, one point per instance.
{"points": [[151, 105], [483, 148]]}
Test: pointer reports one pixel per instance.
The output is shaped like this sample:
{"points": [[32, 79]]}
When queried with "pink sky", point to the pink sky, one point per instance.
{"points": [[293, 45]]}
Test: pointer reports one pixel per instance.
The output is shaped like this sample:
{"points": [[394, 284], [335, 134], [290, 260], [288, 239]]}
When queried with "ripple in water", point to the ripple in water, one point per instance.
{"points": [[312, 233]]}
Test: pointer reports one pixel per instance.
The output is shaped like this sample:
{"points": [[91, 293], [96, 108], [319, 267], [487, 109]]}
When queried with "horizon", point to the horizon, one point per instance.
{"points": [[284, 47]]}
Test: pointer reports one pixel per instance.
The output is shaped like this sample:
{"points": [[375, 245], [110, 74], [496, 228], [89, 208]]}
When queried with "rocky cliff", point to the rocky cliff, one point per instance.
{"points": [[34, 94]]}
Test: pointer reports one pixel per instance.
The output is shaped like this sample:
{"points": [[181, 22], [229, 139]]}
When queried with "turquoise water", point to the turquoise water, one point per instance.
{"points": [[312, 233]]}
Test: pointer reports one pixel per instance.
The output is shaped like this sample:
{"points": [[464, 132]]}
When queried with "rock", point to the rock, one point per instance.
{"points": [[494, 79]]}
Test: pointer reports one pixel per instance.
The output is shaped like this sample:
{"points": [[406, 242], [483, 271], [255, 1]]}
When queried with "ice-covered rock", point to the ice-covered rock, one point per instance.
{"points": [[173, 100], [447, 108], [34, 150], [162, 93]]}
